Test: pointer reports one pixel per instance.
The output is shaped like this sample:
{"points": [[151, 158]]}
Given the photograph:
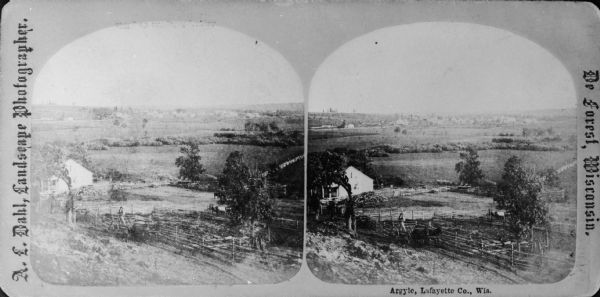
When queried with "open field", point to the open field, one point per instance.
{"points": [[153, 163], [143, 199], [428, 167], [365, 137], [401, 129], [432, 203], [80, 124]]}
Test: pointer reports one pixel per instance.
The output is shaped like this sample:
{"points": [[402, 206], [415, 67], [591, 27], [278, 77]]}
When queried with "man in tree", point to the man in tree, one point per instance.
{"points": [[518, 193], [323, 170], [189, 164], [468, 168], [246, 196]]}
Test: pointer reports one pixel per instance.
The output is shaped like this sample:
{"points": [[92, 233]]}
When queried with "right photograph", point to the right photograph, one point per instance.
{"points": [[441, 153]]}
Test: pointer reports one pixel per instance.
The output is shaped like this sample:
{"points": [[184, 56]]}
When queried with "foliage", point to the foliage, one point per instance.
{"points": [[291, 176], [279, 138], [469, 171], [261, 126], [244, 193], [324, 169], [101, 113], [550, 177], [518, 193], [360, 159], [189, 164], [116, 194], [48, 162]]}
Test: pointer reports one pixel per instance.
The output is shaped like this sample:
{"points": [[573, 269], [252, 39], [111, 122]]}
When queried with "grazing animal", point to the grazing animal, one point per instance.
{"points": [[423, 234], [138, 231]]}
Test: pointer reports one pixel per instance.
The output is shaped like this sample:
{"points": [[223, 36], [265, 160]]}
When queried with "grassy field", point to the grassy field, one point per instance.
{"points": [[81, 124], [152, 163], [428, 167], [364, 137]]}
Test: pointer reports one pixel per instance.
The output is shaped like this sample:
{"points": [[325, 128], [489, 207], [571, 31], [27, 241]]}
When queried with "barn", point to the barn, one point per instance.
{"points": [[359, 182], [80, 177]]}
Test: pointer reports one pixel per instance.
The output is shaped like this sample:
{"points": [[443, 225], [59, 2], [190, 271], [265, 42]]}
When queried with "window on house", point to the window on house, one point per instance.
{"points": [[331, 192]]}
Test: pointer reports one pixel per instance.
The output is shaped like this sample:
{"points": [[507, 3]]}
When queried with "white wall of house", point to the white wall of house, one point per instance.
{"points": [[79, 175], [359, 182]]}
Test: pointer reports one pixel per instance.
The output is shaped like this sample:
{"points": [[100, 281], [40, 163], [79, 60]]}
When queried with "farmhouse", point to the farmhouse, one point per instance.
{"points": [[359, 182], [79, 175]]}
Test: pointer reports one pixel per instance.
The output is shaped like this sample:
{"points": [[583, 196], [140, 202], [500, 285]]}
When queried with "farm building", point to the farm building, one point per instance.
{"points": [[80, 177], [359, 182]]}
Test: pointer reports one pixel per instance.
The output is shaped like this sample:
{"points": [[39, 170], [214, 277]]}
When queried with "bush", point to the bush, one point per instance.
{"points": [[117, 195]]}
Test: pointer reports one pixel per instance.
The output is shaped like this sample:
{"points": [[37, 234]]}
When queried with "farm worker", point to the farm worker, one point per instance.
{"points": [[52, 202], [402, 220], [69, 207], [121, 216]]}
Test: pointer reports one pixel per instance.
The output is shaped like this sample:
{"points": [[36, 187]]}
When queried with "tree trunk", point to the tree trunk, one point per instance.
{"points": [[349, 214]]}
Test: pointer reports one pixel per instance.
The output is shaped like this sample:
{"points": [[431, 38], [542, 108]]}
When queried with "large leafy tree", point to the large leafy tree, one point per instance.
{"points": [[49, 161], [468, 168], [519, 193], [323, 170], [245, 193], [189, 164]]}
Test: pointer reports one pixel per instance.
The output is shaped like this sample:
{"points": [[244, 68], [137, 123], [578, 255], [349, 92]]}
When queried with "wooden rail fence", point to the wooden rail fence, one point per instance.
{"points": [[184, 231]]}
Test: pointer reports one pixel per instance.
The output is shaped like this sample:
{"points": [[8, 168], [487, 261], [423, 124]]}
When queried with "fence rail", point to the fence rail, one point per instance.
{"points": [[184, 231], [511, 255]]}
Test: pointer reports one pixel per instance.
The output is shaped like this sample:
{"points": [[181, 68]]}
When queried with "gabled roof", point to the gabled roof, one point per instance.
{"points": [[73, 163], [356, 169]]}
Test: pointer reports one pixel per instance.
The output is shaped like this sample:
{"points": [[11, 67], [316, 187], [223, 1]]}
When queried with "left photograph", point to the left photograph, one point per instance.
{"points": [[167, 153]]}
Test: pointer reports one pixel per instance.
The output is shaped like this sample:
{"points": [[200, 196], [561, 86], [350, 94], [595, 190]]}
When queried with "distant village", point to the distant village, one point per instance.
{"points": [[331, 119]]}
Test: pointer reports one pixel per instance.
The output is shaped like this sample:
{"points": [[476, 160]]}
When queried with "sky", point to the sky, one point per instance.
{"points": [[167, 64], [440, 67]]}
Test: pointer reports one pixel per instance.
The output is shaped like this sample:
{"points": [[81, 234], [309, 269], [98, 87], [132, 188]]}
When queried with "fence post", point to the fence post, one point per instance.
{"points": [[176, 233], [547, 240], [455, 238], [233, 249], [379, 218], [512, 256]]}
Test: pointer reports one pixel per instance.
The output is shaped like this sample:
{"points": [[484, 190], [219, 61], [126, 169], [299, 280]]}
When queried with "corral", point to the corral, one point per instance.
{"points": [[466, 227]]}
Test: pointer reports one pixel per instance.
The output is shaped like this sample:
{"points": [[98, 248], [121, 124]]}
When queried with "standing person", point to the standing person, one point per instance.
{"points": [[402, 220], [69, 207], [121, 216]]}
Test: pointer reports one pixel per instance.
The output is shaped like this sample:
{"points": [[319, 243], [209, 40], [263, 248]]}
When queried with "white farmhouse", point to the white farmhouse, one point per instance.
{"points": [[80, 177], [359, 182]]}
